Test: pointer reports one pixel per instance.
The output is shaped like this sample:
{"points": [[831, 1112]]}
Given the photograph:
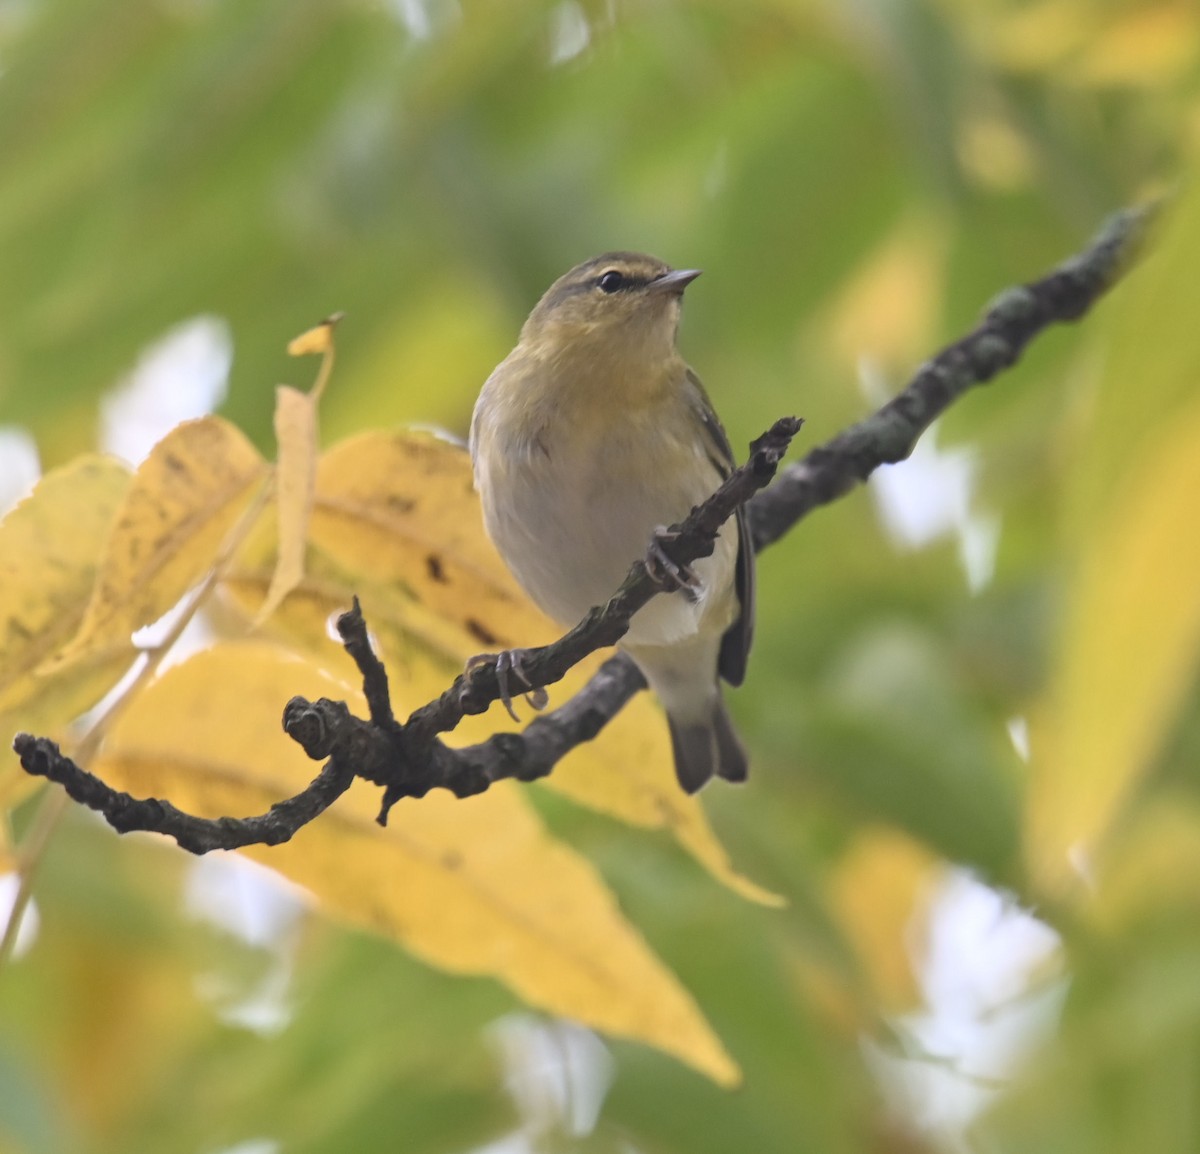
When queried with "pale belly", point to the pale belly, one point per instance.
{"points": [[570, 523]]}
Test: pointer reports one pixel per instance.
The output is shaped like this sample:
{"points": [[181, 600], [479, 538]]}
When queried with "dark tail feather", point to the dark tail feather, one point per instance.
{"points": [[707, 748], [731, 755], [695, 752]]}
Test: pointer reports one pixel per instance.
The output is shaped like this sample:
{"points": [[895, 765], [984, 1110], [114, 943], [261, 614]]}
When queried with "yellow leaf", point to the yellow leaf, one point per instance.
{"points": [[127, 1011], [1148, 335], [1036, 37], [1152, 865], [401, 506], [400, 509], [296, 435], [628, 773], [184, 499], [888, 309], [993, 151], [317, 340], [50, 546], [1127, 654], [474, 886], [1128, 644], [878, 887], [1141, 49]]}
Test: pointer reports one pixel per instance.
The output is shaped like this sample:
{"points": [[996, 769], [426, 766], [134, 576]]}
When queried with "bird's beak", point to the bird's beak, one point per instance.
{"points": [[674, 281]]}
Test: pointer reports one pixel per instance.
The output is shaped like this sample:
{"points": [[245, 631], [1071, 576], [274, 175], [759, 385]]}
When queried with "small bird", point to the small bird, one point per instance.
{"points": [[587, 439]]}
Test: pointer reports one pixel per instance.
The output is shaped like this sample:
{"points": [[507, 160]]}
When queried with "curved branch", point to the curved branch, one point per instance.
{"points": [[1010, 322], [410, 759], [198, 835]]}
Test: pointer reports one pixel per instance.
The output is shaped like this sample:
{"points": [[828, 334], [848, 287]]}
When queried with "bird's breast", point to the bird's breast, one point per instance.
{"points": [[572, 503]]}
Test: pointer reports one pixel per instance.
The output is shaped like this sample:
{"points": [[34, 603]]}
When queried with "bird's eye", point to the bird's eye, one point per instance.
{"points": [[611, 281]]}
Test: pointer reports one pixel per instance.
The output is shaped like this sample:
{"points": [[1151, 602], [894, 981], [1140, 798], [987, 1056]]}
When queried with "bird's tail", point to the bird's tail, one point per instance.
{"points": [[707, 747]]}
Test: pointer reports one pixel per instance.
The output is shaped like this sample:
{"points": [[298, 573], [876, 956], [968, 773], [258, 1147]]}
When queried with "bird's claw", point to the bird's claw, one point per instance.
{"points": [[510, 662], [665, 572]]}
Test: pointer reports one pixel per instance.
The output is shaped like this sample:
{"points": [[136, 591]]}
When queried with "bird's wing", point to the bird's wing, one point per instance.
{"points": [[735, 645]]}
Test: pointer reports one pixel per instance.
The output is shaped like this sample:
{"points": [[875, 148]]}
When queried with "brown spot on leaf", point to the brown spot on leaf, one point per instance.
{"points": [[437, 571], [480, 632]]}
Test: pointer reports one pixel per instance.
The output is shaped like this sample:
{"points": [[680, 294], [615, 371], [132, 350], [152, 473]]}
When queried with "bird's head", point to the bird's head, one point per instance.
{"points": [[617, 304]]}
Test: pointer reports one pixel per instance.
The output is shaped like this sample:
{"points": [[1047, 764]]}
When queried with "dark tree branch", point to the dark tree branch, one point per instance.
{"points": [[42, 758], [419, 761], [605, 625], [1012, 320], [409, 759]]}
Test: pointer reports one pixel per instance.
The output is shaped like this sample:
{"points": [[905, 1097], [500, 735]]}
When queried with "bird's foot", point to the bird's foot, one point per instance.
{"points": [[509, 662], [666, 573]]}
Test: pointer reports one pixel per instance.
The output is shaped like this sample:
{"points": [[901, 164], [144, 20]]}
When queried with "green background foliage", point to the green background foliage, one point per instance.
{"points": [[856, 180]]}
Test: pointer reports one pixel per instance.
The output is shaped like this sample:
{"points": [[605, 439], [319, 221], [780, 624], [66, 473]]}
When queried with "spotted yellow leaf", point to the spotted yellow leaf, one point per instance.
{"points": [[168, 529]]}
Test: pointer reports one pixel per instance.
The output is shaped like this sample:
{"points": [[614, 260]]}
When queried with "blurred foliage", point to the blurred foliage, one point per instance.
{"points": [[857, 179]]}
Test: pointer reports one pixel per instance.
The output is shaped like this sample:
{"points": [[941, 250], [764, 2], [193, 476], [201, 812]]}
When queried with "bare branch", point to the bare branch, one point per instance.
{"points": [[1012, 320], [198, 835]]}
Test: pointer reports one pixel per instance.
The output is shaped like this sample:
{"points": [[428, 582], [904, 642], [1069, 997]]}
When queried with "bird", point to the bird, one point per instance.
{"points": [[586, 441]]}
